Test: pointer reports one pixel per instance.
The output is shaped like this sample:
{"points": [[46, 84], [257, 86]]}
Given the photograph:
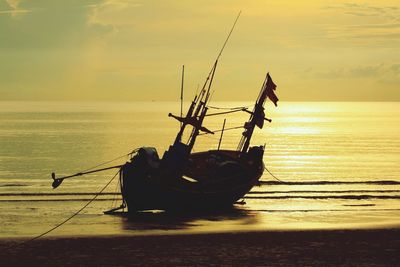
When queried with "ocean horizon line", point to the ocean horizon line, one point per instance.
{"points": [[188, 101]]}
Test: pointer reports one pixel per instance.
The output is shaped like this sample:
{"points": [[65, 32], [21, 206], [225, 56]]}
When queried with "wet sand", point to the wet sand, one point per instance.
{"points": [[271, 248]]}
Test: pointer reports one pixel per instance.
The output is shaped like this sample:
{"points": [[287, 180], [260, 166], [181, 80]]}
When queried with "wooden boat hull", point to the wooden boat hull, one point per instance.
{"points": [[211, 180]]}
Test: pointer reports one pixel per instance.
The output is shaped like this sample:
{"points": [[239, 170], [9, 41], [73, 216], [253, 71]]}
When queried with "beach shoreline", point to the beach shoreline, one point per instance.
{"points": [[372, 247]]}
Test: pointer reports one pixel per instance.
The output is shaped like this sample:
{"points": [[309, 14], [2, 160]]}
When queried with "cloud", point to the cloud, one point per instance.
{"points": [[366, 71], [48, 25], [382, 71], [370, 82], [15, 10], [370, 25], [395, 68], [13, 3], [109, 16], [379, 26], [365, 10]]}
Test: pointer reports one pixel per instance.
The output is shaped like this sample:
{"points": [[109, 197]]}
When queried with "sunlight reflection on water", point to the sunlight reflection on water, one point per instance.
{"points": [[305, 142]]}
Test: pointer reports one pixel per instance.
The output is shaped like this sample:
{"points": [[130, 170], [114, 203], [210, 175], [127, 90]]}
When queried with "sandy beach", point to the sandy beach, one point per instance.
{"points": [[272, 248]]}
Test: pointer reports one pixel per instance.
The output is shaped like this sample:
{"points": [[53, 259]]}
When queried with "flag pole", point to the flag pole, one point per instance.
{"points": [[183, 75]]}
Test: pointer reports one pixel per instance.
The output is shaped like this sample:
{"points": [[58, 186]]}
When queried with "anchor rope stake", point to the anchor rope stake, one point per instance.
{"points": [[58, 181], [66, 220]]}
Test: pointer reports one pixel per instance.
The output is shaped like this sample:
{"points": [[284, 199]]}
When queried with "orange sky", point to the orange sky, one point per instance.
{"points": [[133, 50]]}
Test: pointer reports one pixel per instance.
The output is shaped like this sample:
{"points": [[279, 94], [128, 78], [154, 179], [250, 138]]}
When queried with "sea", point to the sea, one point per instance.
{"points": [[329, 165]]}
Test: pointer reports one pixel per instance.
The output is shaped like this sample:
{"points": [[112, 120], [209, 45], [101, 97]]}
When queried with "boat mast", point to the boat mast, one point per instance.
{"points": [[198, 108]]}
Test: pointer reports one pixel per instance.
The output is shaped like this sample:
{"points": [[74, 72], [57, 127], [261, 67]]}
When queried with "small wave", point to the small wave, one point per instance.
{"points": [[58, 200], [352, 197], [11, 185], [56, 194], [382, 182], [16, 194], [356, 197], [359, 205], [323, 210], [322, 191]]}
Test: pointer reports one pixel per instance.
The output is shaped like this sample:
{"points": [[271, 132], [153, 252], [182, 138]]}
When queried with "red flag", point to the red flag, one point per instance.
{"points": [[270, 87]]}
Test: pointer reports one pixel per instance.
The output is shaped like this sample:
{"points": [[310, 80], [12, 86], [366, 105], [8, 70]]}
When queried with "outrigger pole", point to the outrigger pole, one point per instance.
{"points": [[57, 181]]}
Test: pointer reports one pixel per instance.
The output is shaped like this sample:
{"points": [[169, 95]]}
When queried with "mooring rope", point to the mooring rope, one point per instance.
{"points": [[243, 199], [104, 163], [69, 218], [117, 186], [273, 175]]}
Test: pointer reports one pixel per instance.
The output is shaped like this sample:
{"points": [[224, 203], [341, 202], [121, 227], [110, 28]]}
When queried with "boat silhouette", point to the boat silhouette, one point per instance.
{"points": [[184, 180]]}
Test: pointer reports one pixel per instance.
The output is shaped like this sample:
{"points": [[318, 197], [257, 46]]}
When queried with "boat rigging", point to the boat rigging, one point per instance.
{"points": [[184, 180]]}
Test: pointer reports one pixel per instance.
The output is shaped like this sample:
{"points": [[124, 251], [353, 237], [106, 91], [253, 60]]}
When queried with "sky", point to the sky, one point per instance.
{"points": [[119, 50]]}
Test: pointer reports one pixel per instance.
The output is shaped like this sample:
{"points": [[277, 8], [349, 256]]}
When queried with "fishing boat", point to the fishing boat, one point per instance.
{"points": [[182, 180], [185, 180]]}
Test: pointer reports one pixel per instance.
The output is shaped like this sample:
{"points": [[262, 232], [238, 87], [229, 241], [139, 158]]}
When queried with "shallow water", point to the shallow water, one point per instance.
{"points": [[338, 163]]}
